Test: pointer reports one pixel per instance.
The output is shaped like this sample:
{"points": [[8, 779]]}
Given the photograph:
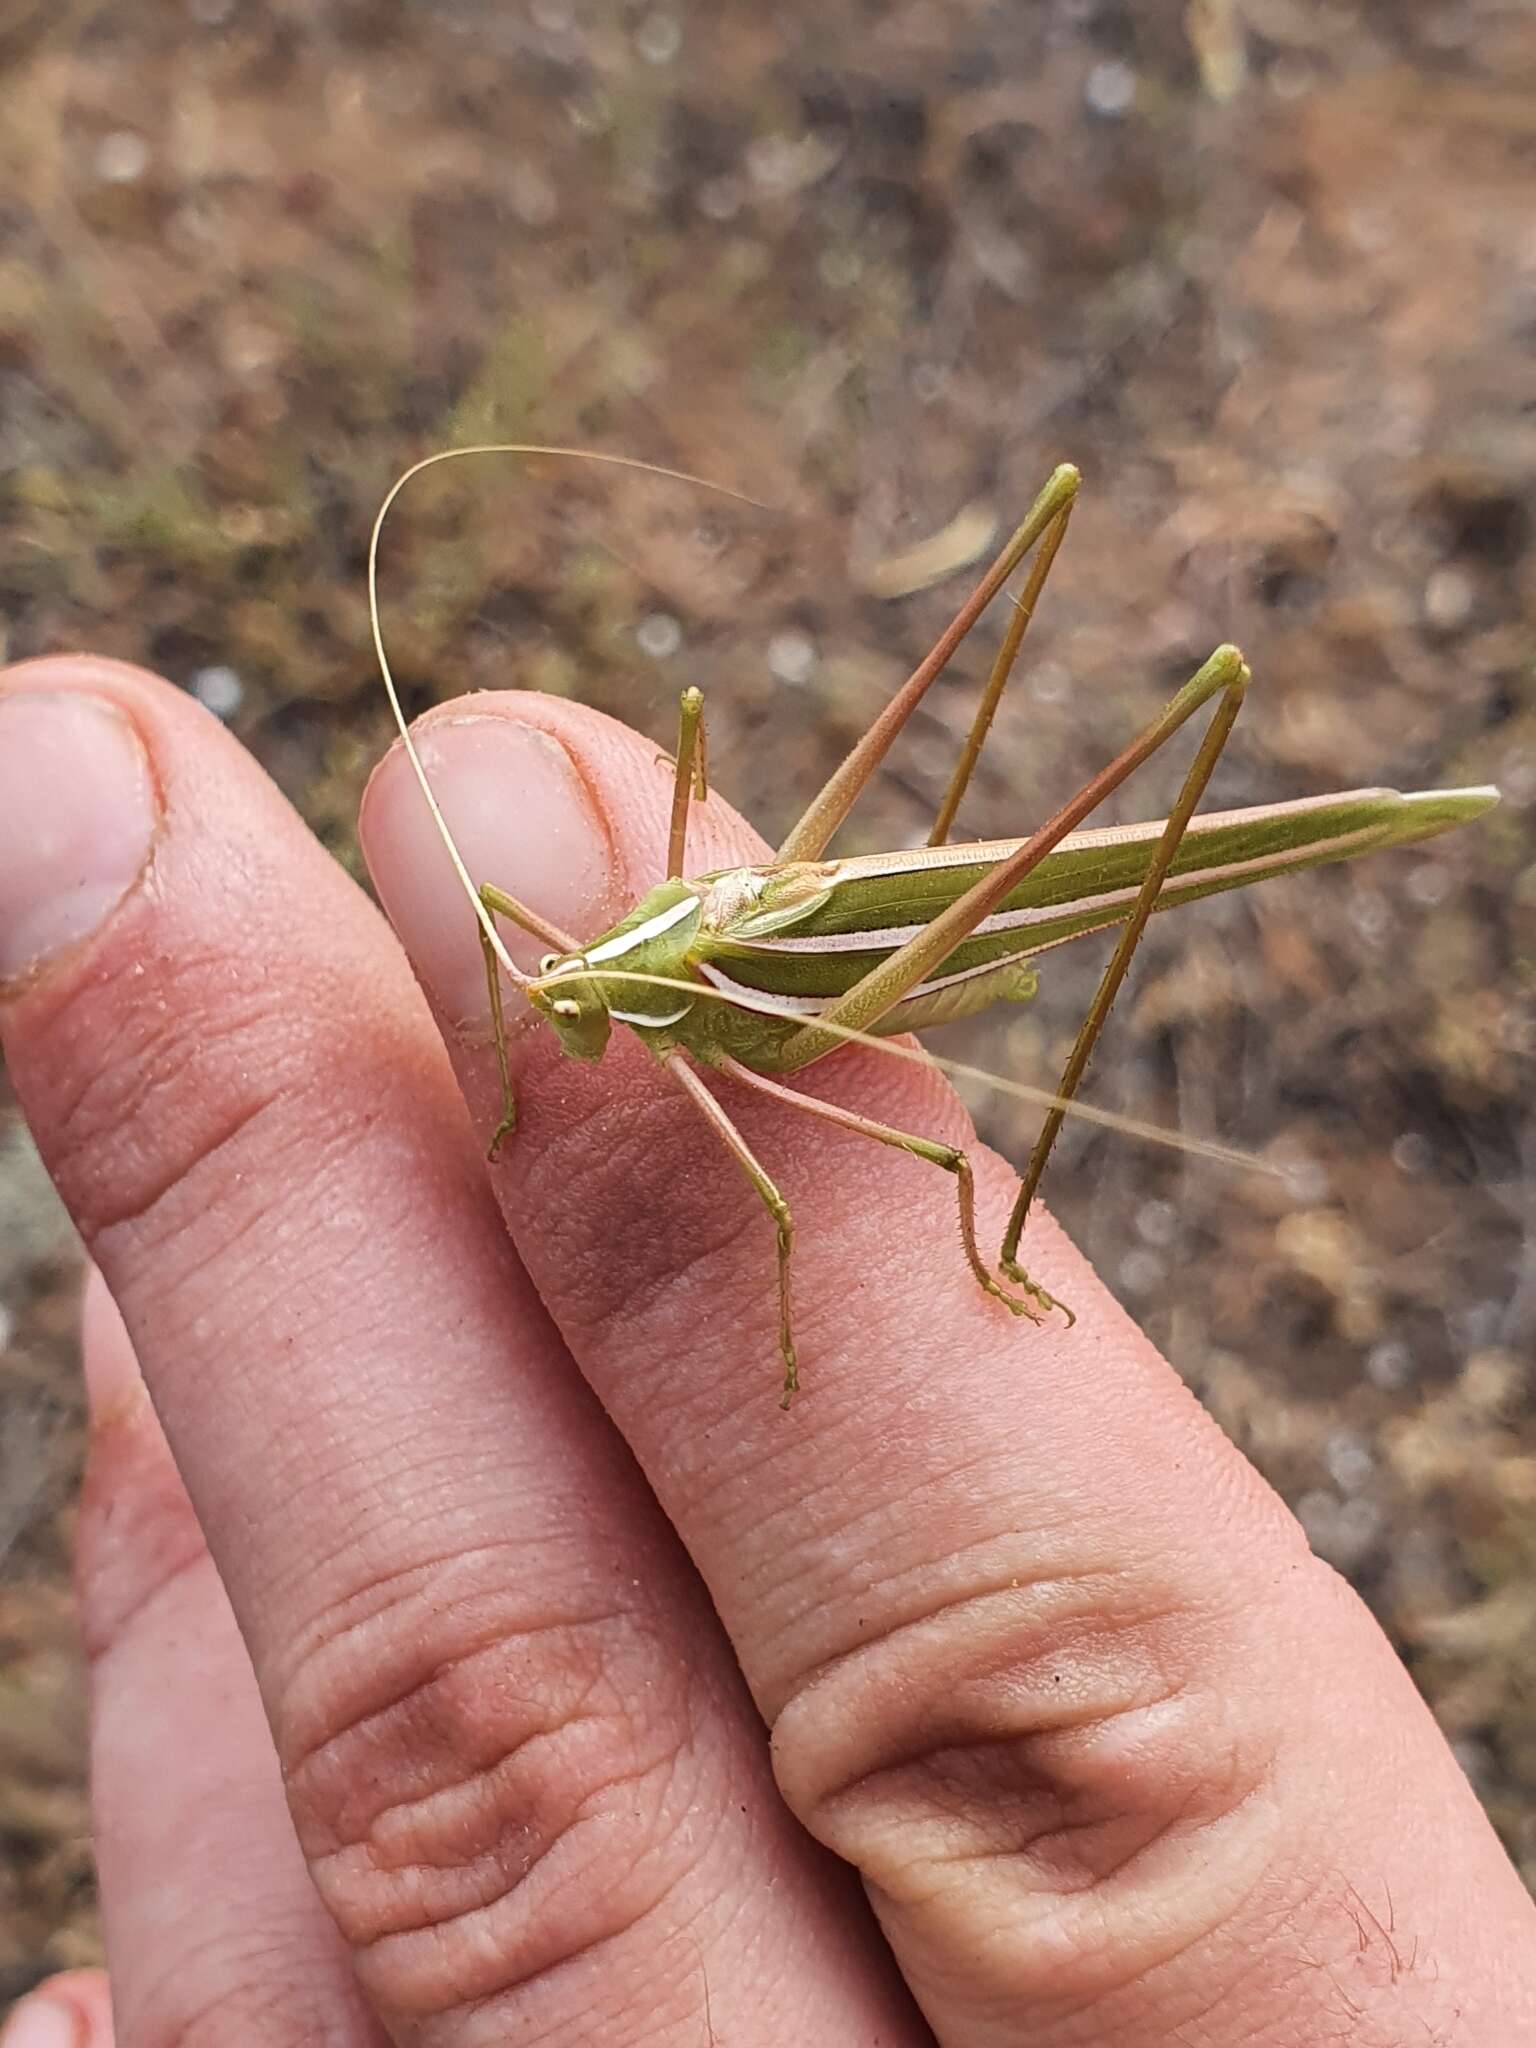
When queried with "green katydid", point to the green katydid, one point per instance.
{"points": [[753, 973]]}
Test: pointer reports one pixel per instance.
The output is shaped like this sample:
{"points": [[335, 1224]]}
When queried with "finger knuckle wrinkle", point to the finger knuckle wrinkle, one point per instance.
{"points": [[254, 1999], [482, 1795], [138, 1545], [1043, 1761], [155, 1101]]}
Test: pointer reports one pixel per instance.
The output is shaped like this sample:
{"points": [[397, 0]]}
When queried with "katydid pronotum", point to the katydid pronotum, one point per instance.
{"points": [[752, 973]]}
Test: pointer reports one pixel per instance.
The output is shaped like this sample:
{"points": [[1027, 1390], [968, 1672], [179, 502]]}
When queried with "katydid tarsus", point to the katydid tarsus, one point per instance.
{"points": [[752, 973]]}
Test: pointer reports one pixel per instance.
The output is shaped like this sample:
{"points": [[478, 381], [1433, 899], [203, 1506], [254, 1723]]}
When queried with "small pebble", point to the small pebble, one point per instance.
{"points": [[721, 198], [219, 690], [659, 635], [1110, 89], [1449, 596], [1370, 915], [1389, 1365], [659, 38], [1341, 1531], [792, 658], [122, 157], [1412, 1153], [1142, 1272], [1158, 1223], [773, 163], [1428, 884], [1349, 1461]]}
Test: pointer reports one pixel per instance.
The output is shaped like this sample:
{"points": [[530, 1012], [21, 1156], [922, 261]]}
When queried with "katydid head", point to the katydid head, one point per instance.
{"points": [[570, 998]]}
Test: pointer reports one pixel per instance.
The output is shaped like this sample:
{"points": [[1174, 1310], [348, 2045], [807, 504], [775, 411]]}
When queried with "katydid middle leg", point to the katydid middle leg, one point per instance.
{"points": [[950, 1157], [676, 1064]]}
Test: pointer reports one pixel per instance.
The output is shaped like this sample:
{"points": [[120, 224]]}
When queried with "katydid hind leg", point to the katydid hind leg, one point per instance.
{"points": [[675, 1063], [809, 837], [951, 1158], [878, 992], [1002, 668], [1190, 793]]}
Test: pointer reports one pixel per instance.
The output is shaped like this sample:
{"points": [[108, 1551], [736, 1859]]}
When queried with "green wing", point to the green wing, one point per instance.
{"points": [[871, 904]]}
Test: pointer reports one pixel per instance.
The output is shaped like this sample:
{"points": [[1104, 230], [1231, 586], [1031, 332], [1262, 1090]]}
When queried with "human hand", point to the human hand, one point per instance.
{"points": [[503, 1664]]}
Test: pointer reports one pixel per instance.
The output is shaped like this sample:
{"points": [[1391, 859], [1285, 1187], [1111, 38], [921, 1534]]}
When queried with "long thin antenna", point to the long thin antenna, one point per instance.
{"points": [[920, 1056], [486, 922], [1022, 1091]]}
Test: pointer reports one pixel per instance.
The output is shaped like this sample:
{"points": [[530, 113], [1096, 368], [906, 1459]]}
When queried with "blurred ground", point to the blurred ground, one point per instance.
{"points": [[1266, 270]]}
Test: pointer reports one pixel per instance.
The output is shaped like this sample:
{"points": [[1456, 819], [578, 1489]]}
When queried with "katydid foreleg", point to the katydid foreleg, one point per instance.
{"points": [[497, 903]]}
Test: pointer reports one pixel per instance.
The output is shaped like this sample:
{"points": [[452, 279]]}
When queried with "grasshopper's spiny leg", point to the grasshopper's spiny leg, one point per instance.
{"points": [[1018, 625], [882, 988], [690, 777], [1190, 793], [949, 1157], [808, 838], [675, 1063]]}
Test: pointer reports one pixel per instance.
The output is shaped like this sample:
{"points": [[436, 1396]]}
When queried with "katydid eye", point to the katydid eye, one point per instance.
{"points": [[550, 960]]}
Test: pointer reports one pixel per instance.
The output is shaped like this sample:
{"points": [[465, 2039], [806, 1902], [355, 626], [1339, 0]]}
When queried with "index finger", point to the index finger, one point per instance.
{"points": [[1041, 1654]]}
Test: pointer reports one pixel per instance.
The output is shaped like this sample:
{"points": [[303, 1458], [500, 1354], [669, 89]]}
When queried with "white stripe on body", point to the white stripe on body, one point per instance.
{"points": [[663, 921], [891, 936], [652, 1023]]}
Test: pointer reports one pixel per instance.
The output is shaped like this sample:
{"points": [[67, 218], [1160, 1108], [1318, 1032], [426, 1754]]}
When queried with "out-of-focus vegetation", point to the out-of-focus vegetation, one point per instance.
{"points": [[1265, 269]]}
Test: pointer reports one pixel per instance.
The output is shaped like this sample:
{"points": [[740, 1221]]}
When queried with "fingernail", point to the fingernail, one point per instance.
{"points": [[77, 817], [523, 817], [114, 1386], [38, 2022]]}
